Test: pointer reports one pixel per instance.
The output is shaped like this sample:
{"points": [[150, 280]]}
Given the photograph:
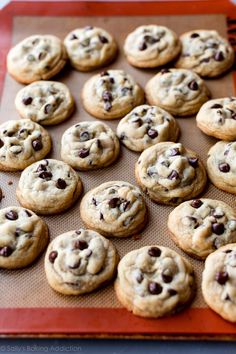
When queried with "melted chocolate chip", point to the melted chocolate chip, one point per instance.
{"points": [[126, 90], [194, 35], [174, 152], [218, 229], [167, 278], [227, 298], [27, 100], [76, 265], [48, 108], [107, 106], [83, 153], [73, 37], [103, 39], [221, 277], [107, 96], [154, 288], [28, 213], [139, 278], [47, 175], [193, 161], [41, 168], [137, 121], [154, 252], [101, 217], [193, 85], [61, 183], [173, 175], [164, 71], [172, 292], [84, 136], [37, 144], [52, 256], [216, 105], [114, 202], [80, 244], [219, 56], [11, 215], [42, 55], [94, 201], [6, 251], [1, 143], [152, 133], [142, 46], [228, 251], [224, 167], [196, 203]]}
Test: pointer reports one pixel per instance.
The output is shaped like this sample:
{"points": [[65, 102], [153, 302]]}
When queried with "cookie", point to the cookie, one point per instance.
{"points": [[200, 226], [89, 48], [114, 209], [23, 237], [38, 57], [218, 118], [145, 126], [48, 187], [218, 282], [179, 91], [150, 46], [169, 173], [45, 102], [114, 93], [205, 52], [221, 166], [89, 145], [79, 262], [22, 142], [154, 281]]}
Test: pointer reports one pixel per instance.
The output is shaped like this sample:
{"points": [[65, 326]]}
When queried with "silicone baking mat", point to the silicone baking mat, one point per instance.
{"points": [[25, 295]]}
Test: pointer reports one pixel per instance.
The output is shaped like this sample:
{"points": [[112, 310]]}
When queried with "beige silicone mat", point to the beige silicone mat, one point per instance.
{"points": [[28, 287]]}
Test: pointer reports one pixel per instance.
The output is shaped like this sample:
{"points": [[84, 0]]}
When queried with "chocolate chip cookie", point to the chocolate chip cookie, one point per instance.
{"points": [[115, 208], [218, 118], [200, 226], [23, 236], [169, 173], [218, 283], [89, 145], [22, 142], [89, 48], [205, 52], [45, 102], [38, 57], [114, 93], [48, 187], [79, 262], [154, 281], [151, 46], [145, 126], [179, 91], [221, 166]]}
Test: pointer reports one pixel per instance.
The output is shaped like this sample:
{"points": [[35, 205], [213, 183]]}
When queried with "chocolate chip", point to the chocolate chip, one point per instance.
{"points": [[164, 71], [41, 168], [152, 133], [103, 39], [173, 175], [42, 55], [142, 46], [61, 183], [84, 136], [104, 73], [138, 121], [194, 35], [1, 143], [154, 252], [11, 215], [111, 80], [196, 203], [27, 100], [52, 256], [154, 288], [73, 37], [80, 244], [218, 229], [228, 251], [18, 232], [221, 277], [107, 96], [28, 213], [126, 90], [94, 201], [172, 292], [174, 152], [37, 144], [101, 217], [45, 175], [125, 204], [205, 60], [48, 108], [193, 85], [76, 265], [219, 56], [227, 298], [107, 106], [193, 161], [83, 153], [6, 251], [216, 105], [139, 278], [167, 278], [114, 202], [224, 167]]}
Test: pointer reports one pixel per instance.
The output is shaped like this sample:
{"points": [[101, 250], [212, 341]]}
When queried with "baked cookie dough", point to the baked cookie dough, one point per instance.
{"points": [[38, 57], [154, 281], [218, 282], [45, 102], [89, 48], [145, 126], [205, 52], [79, 262], [114, 93], [218, 118], [114, 209], [200, 226], [48, 187], [221, 166], [170, 174], [23, 236], [181, 92], [89, 145], [150, 46], [22, 142]]}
